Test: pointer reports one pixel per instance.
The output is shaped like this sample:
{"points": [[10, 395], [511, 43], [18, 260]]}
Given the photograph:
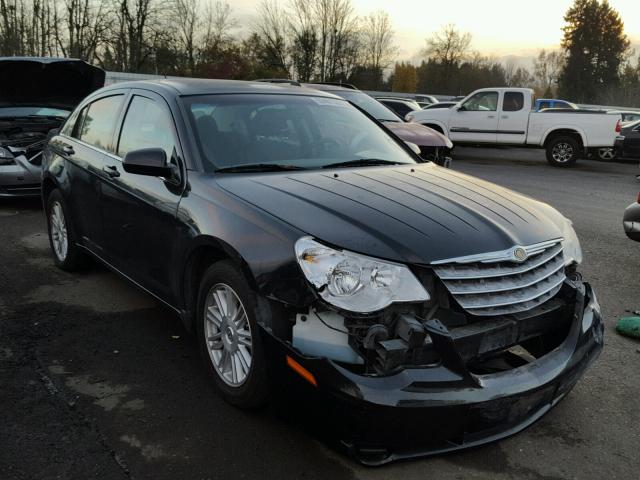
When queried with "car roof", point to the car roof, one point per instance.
{"points": [[206, 86], [395, 99]]}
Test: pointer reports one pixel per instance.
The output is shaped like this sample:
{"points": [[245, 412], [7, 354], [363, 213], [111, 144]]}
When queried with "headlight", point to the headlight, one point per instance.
{"points": [[4, 153], [355, 282], [570, 244]]}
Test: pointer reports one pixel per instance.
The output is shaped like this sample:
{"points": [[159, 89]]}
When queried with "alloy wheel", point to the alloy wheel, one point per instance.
{"points": [[562, 152], [606, 153], [228, 335], [59, 238]]}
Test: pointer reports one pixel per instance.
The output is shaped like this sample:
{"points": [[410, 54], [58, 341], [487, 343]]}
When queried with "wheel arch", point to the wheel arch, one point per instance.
{"points": [[203, 252], [437, 126], [555, 132]]}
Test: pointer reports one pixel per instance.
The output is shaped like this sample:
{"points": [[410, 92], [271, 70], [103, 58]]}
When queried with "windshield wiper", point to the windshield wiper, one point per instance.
{"points": [[259, 167], [363, 162]]}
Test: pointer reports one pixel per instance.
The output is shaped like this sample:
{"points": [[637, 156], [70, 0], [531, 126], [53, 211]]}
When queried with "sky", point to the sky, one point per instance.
{"points": [[501, 28]]}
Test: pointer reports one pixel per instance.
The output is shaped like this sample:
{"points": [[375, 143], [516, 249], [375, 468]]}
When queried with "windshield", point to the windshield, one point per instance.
{"points": [[287, 130], [33, 111], [370, 105]]}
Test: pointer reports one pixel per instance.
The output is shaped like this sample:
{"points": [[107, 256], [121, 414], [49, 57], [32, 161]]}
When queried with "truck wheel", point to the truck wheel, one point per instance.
{"points": [[228, 336], [562, 151]]}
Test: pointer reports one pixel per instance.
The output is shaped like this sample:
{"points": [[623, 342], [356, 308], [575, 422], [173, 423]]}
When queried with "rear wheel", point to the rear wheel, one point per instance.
{"points": [[562, 151], [228, 336], [62, 237]]}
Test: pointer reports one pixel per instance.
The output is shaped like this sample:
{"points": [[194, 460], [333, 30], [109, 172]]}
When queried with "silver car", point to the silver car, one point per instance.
{"points": [[36, 96]]}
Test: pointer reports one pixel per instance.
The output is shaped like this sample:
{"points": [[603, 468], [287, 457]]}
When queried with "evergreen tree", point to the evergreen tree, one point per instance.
{"points": [[595, 47]]}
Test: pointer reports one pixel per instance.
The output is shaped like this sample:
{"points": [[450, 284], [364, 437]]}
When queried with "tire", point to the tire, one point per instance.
{"points": [[62, 237], [606, 154], [562, 151], [231, 350]]}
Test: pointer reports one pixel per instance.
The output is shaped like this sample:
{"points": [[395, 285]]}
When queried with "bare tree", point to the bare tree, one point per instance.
{"points": [[449, 46], [218, 24], [27, 27], [547, 69], [272, 28], [186, 25], [135, 37], [337, 23], [377, 40], [81, 30], [304, 41], [509, 71]]}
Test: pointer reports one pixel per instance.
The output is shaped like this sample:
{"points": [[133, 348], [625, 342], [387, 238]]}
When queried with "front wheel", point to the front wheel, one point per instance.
{"points": [[228, 336], [562, 151]]}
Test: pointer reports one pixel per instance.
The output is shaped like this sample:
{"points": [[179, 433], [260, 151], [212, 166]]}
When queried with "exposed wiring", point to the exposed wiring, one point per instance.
{"points": [[329, 326]]}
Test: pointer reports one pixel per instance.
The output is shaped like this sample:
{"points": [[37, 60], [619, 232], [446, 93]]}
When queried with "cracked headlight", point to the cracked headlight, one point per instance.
{"points": [[355, 282], [570, 244]]}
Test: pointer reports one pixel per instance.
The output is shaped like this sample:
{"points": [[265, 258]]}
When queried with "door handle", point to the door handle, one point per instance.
{"points": [[491, 116], [68, 150], [505, 116], [111, 170]]}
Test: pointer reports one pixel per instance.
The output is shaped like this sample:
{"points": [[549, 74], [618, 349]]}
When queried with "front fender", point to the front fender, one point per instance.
{"points": [[261, 245]]}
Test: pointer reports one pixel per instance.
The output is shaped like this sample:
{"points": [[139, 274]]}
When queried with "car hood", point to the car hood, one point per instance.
{"points": [[47, 82], [419, 134], [414, 214]]}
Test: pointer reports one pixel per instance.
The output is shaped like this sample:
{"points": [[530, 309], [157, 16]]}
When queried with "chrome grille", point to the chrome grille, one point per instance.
{"points": [[496, 284]]}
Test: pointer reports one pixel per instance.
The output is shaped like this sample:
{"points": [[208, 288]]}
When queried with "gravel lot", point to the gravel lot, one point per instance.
{"points": [[99, 381]]}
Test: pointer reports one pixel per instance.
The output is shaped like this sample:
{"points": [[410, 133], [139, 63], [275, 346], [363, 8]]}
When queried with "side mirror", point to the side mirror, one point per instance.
{"points": [[148, 161], [414, 148], [461, 108], [631, 221]]}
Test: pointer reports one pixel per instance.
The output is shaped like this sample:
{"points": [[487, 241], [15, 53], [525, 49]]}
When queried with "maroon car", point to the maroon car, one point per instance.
{"points": [[433, 145]]}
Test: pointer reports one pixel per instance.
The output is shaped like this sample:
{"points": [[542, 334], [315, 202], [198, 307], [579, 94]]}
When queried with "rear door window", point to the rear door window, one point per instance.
{"points": [[98, 121], [513, 101], [147, 125]]}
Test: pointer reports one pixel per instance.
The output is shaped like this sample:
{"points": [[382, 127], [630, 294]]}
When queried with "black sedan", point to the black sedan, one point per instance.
{"points": [[628, 142], [408, 309]]}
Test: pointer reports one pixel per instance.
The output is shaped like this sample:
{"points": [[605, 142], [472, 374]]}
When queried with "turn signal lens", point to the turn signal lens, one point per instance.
{"points": [[303, 372], [618, 127]]}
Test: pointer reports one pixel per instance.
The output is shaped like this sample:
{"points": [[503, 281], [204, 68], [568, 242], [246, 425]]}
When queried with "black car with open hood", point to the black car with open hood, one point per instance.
{"points": [[402, 308], [36, 96]]}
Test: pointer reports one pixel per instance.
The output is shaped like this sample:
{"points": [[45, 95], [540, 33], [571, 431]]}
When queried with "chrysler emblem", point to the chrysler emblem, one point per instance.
{"points": [[519, 254]]}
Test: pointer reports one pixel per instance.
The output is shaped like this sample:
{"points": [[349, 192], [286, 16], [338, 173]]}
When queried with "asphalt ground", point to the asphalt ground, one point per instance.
{"points": [[99, 381]]}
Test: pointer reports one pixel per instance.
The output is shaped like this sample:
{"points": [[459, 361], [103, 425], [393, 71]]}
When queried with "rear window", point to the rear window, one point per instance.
{"points": [[99, 121]]}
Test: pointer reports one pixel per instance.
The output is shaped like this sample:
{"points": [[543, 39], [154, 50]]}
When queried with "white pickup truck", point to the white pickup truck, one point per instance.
{"points": [[504, 116]]}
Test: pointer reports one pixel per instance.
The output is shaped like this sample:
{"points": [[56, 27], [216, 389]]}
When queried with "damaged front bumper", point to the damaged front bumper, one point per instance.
{"points": [[440, 407]]}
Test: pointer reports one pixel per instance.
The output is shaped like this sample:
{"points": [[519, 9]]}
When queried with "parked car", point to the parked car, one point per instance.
{"points": [[503, 116], [627, 144], [309, 249], [627, 116], [400, 105], [546, 103], [434, 146], [631, 220], [422, 98], [36, 96], [440, 105]]}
